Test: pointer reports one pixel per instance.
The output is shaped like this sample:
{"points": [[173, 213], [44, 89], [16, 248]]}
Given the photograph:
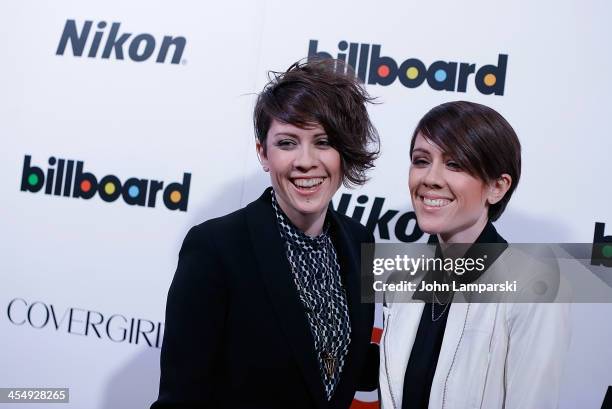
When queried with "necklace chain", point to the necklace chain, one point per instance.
{"points": [[435, 300], [433, 317]]}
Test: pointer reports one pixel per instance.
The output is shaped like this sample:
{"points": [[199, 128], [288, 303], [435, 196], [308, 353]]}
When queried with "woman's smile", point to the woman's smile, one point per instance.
{"points": [[434, 202], [308, 185], [447, 200], [305, 171]]}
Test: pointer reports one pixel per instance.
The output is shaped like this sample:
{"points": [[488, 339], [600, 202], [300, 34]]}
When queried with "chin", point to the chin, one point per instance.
{"points": [[315, 207], [430, 226]]}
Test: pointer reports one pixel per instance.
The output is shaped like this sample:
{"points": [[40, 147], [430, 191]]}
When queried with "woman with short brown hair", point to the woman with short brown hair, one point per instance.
{"points": [[437, 352], [264, 310]]}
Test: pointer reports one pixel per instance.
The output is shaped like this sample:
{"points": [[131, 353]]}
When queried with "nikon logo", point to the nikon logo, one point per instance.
{"points": [[103, 44], [404, 228]]}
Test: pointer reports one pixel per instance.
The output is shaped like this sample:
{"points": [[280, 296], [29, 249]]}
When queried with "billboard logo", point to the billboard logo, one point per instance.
{"points": [[602, 247], [375, 69], [139, 48], [59, 181]]}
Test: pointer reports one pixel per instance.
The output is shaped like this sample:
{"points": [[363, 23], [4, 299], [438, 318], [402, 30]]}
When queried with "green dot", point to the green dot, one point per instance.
{"points": [[33, 179], [607, 250]]}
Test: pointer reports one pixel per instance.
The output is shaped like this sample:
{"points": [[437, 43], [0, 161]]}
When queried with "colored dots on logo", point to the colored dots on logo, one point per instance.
{"points": [[68, 178], [175, 196], [374, 67], [384, 71], [440, 75], [109, 188], [33, 179], [133, 191], [412, 73]]}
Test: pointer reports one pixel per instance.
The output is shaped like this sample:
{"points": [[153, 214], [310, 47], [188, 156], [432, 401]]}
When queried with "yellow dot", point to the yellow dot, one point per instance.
{"points": [[175, 196], [412, 73], [490, 80], [109, 188]]}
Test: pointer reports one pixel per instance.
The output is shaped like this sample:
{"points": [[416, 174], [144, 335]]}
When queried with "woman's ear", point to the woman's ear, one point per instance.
{"points": [[261, 155], [498, 188]]}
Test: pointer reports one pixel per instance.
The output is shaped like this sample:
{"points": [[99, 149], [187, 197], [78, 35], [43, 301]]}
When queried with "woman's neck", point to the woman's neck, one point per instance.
{"points": [[468, 235], [311, 224]]}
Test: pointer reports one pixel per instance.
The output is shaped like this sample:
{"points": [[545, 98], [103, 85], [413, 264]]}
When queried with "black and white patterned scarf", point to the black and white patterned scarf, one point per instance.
{"points": [[316, 274]]}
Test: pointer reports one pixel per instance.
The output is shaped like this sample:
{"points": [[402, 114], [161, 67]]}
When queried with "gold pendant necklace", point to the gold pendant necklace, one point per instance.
{"points": [[329, 361]]}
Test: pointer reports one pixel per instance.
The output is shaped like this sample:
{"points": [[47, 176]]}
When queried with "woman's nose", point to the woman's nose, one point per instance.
{"points": [[306, 158], [433, 176]]}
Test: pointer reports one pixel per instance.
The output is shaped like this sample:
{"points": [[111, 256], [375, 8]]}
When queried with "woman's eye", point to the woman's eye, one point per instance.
{"points": [[285, 143], [453, 165], [323, 142], [419, 161]]}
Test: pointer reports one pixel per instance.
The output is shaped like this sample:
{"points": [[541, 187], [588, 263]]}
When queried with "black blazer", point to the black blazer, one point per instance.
{"points": [[236, 333]]}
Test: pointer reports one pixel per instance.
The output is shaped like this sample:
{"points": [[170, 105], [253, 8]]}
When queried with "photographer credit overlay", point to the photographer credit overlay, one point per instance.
{"points": [[486, 273]]}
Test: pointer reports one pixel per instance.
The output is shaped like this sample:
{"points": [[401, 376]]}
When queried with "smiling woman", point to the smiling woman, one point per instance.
{"points": [[437, 352], [264, 310], [449, 201], [305, 172]]}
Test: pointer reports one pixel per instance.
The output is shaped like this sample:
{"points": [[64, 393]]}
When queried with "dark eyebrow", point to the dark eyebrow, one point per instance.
{"points": [[445, 155], [286, 134], [420, 150], [291, 134]]}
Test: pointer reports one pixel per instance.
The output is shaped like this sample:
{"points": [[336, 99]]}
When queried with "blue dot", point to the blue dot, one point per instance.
{"points": [[133, 191], [440, 75]]}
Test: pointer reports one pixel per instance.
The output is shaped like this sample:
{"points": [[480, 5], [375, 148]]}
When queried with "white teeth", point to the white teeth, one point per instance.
{"points": [[436, 202], [308, 182]]}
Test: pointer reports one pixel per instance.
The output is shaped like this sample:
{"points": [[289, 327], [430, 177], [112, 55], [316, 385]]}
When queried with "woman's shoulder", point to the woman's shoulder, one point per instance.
{"points": [[236, 224], [533, 268], [223, 225]]}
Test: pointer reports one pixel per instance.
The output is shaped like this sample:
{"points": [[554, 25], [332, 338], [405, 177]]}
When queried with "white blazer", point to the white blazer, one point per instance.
{"points": [[495, 355]]}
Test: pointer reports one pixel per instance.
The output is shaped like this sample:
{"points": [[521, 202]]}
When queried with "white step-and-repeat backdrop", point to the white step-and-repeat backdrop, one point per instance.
{"points": [[125, 123]]}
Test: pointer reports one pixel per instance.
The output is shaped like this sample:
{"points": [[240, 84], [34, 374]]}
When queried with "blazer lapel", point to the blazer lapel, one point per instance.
{"points": [[349, 270], [349, 260], [455, 326], [277, 276]]}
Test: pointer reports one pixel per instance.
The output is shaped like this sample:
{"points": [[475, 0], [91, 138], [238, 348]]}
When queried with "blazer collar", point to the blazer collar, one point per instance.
{"points": [[277, 277], [489, 245]]}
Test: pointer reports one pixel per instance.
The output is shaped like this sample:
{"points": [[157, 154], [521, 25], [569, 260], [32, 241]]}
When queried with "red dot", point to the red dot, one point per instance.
{"points": [[357, 404], [85, 185], [383, 71], [376, 335]]}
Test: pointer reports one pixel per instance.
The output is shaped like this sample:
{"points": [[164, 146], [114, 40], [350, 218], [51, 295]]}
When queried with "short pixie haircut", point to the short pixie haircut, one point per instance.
{"points": [[325, 92], [479, 139]]}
